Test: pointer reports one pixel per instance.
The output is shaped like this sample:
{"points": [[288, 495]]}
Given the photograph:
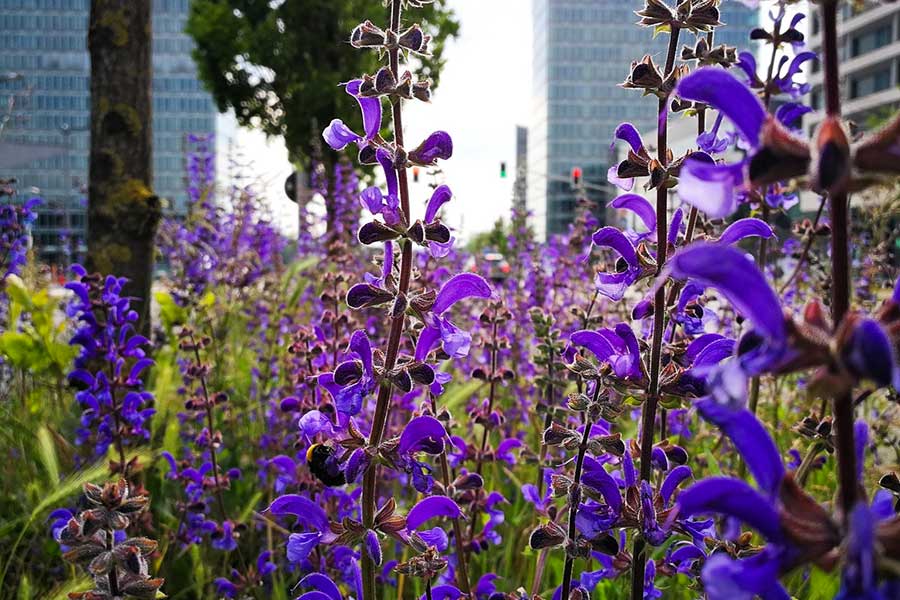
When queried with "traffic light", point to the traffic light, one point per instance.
{"points": [[415, 171], [503, 170], [576, 176]]}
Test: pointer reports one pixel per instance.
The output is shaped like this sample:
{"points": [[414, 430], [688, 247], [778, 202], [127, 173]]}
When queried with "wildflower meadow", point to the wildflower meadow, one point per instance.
{"points": [[700, 404]]}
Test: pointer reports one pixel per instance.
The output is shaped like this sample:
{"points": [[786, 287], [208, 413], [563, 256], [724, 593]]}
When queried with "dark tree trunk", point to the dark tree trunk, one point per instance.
{"points": [[123, 212]]}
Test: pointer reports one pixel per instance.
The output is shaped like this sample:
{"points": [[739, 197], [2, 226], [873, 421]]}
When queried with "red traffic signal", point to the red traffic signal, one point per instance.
{"points": [[576, 175], [415, 171]]}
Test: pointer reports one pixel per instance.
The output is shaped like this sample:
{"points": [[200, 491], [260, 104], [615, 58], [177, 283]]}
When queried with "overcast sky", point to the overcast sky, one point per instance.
{"points": [[485, 92]]}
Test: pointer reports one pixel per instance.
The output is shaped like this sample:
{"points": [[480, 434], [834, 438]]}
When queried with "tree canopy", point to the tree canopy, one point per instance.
{"points": [[277, 64]]}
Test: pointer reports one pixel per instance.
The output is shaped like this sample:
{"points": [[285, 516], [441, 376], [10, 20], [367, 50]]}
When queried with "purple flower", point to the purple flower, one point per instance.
{"points": [[437, 146], [614, 285], [337, 135], [422, 434], [311, 516], [616, 347], [438, 328], [352, 380]]}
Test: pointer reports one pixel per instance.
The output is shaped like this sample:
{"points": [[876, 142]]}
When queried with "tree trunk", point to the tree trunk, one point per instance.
{"points": [[123, 211]]}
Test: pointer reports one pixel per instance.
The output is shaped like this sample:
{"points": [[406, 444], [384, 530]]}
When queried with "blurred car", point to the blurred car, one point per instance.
{"points": [[491, 264]]}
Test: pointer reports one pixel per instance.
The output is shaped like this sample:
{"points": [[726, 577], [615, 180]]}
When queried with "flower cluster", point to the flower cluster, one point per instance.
{"points": [[109, 369]]}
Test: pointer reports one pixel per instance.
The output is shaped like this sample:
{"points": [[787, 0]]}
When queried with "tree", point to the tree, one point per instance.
{"points": [[275, 63], [123, 212]]}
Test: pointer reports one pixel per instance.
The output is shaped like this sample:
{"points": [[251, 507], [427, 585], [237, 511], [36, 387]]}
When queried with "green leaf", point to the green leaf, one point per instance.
{"points": [[47, 453], [18, 348], [458, 394]]}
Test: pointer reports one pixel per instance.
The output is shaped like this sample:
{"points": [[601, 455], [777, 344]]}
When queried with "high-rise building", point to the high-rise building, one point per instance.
{"points": [[520, 185], [44, 43], [869, 56], [582, 51]]}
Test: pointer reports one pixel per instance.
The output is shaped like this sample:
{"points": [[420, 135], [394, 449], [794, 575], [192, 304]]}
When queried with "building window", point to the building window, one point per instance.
{"points": [[875, 81], [871, 40]]}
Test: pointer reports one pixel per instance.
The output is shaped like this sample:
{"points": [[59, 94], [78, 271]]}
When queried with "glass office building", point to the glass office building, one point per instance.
{"points": [[582, 51], [44, 66]]}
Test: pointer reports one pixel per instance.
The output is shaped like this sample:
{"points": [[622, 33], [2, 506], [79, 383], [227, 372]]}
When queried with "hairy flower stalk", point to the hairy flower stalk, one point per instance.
{"points": [[648, 414], [575, 498], [840, 264], [462, 571], [383, 404]]}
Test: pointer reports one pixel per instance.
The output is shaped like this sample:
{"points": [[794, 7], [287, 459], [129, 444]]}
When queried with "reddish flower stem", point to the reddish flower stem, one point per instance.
{"points": [[648, 414], [840, 265], [383, 403]]}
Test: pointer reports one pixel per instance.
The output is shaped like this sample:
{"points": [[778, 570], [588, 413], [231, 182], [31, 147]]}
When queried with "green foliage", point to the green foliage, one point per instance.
{"points": [[496, 239], [276, 64], [33, 340]]}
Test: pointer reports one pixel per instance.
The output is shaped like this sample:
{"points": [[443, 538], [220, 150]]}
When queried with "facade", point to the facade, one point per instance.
{"points": [[582, 50], [869, 55], [44, 42], [520, 184]]}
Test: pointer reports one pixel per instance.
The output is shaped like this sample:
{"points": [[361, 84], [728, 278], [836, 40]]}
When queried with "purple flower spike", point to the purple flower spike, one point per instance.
{"points": [[743, 228], [431, 508], [441, 196], [737, 278], [338, 135], [724, 92], [422, 434], [437, 146], [639, 206], [370, 107]]}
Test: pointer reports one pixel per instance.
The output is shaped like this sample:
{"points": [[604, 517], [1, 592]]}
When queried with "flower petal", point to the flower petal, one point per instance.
{"points": [[422, 434], [305, 509], [595, 342], [629, 133], [441, 196], [429, 338], [734, 498], [737, 278], [596, 478], [360, 344], [750, 439], [672, 481], [438, 145], [711, 188], [430, 508], [459, 287], [724, 92], [337, 135], [743, 228], [639, 206], [370, 107], [610, 237], [321, 583]]}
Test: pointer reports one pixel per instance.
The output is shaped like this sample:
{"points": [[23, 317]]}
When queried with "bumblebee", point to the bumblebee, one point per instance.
{"points": [[324, 465]]}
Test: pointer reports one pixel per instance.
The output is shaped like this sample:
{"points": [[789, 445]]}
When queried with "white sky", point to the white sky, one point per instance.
{"points": [[485, 92]]}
